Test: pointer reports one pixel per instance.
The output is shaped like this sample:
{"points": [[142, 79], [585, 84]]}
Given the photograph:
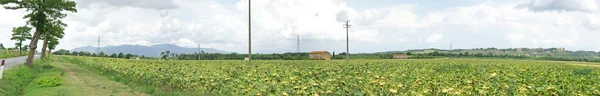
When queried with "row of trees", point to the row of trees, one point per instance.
{"points": [[233, 56], [453, 55], [101, 54], [167, 55], [43, 15]]}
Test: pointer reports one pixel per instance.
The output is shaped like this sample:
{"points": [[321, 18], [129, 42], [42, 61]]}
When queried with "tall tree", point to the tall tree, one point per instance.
{"points": [[52, 42], [21, 34], [41, 13], [53, 32], [101, 54], [120, 55]]}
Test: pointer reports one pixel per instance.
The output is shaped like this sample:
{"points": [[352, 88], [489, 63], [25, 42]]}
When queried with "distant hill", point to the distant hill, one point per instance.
{"points": [[149, 51]]}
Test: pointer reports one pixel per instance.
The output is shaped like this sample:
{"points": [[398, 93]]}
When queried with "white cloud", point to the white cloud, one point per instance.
{"points": [[561, 5], [150, 4], [10, 19], [591, 22], [433, 38], [277, 23]]}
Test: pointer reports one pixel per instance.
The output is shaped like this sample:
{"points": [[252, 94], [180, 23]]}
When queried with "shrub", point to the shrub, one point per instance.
{"points": [[49, 81]]}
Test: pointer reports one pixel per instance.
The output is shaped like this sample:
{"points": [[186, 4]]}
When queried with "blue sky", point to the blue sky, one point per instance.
{"points": [[379, 25]]}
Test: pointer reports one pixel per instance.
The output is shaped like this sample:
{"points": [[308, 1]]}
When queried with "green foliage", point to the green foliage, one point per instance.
{"points": [[113, 55], [359, 77], [120, 55], [128, 56], [235, 56], [49, 81], [101, 54], [9, 53], [42, 15], [51, 36], [21, 34], [15, 79], [52, 42], [42, 12]]}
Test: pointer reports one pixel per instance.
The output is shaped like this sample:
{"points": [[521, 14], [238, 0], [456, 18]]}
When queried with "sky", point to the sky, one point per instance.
{"points": [[377, 25]]}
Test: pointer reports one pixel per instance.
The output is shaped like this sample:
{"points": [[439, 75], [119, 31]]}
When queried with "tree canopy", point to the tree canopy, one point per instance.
{"points": [[21, 34], [41, 14]]}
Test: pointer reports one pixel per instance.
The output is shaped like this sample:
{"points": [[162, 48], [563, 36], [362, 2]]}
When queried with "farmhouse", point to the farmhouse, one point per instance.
{"points": [[401, 56], [560, 49], [320, 55]]}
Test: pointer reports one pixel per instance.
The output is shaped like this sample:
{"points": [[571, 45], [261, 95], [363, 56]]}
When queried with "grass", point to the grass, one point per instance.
{"points": [[75, 81], [131, 83], [16, 79], [10, 53]]}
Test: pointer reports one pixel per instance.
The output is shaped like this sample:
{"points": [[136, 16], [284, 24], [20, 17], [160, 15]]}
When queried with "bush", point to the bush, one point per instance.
{"points": [[14, 79], [49, 81]]}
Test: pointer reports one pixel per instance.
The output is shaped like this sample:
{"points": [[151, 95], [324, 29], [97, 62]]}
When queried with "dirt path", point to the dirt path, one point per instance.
{"points": [[78, 81]]}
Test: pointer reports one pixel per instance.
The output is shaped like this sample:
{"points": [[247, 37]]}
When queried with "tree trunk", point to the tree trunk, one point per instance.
{"points": [[44, 46], [20, 50], [32, 47]]}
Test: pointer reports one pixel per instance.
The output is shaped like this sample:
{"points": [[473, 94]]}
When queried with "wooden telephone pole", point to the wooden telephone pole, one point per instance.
{"points": [[347, 26]]}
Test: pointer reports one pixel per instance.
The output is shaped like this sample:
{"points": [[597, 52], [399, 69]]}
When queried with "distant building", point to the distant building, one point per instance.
{"points": [[531, 54], [560, 49], [519, 50], [401, 56], [319, 55]]}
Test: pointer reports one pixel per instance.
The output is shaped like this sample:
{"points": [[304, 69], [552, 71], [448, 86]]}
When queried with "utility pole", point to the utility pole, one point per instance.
{"points": [[249, 33], [198, 53], [98, 46], [298, 45], [347, 26], [450, 51]]}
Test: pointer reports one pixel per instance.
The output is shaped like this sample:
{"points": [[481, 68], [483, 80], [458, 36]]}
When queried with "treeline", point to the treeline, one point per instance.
{"points": [[437, 54], [101, 54], [304, 56], [569, 59], [235, 56]]}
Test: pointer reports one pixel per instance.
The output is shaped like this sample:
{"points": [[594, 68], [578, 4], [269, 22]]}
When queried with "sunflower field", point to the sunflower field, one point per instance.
{"points": [[358, 77]]}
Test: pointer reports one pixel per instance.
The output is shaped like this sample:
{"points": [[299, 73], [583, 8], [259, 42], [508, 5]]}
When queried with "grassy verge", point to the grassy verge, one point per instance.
{"points": [[134, 83], [10, 53], [57, 77], [20, 78]]}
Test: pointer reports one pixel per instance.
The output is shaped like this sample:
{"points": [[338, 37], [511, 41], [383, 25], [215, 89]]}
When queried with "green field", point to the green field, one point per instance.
{"points": [[359, 77], [11, 53]]}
